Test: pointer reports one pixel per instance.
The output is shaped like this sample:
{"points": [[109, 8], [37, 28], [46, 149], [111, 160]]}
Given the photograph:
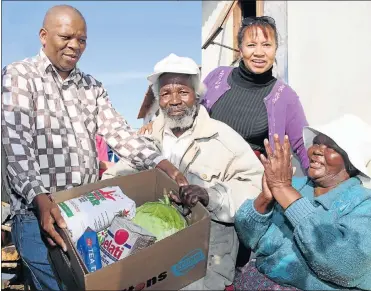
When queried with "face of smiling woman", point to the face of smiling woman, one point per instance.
{"points": [[327, 166], [258, 49]]}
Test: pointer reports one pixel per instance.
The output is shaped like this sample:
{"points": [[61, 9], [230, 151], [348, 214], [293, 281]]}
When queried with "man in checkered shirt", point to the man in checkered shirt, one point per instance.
{"points": [[51, 112]]}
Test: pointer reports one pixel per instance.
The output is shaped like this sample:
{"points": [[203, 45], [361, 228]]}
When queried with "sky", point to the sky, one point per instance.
{"points": [[125, 40]]}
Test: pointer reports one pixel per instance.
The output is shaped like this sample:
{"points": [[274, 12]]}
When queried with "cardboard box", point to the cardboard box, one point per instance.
{"points": [[169, 264]]}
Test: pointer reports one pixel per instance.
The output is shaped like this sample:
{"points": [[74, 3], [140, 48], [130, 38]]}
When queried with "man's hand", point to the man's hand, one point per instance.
{"points": [[48, 213], [191, 194], [146, 128], [172, 172]]}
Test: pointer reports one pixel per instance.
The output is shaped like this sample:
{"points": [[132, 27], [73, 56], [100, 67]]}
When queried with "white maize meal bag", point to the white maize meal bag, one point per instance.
{"points": [[96, 210]]}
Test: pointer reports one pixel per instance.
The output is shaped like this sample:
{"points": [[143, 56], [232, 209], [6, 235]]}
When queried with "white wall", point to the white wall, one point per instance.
{"points": [[329, 57], [278, 10], [216, 55]]}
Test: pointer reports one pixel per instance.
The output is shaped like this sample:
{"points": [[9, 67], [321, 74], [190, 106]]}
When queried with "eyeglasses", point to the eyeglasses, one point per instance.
{"points": [[251, 20]]}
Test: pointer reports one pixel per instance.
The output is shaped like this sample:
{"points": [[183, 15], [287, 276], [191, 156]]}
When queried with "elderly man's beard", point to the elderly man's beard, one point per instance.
{"points": [[183, 121]]}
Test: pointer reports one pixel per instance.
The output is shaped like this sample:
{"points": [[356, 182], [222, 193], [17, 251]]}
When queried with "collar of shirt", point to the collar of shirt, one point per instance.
{"points": [[169, 132], [47, 67], [337, 194]]}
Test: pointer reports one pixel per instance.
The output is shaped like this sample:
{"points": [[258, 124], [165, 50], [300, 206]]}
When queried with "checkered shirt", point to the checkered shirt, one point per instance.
{"points": [[49, 127]]}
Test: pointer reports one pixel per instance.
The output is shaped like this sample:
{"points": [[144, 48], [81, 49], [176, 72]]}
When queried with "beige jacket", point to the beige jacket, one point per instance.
{"points": [[221, 161]]}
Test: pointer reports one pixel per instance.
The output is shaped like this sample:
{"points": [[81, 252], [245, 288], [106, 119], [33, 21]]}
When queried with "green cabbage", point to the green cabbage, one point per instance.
{"points": [[160, 218]]}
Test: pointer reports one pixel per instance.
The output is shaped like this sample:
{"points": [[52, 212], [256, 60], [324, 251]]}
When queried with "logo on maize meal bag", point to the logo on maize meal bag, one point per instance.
{"points": [[150, 282], [97, 196], [114, 245], [188, 262]]}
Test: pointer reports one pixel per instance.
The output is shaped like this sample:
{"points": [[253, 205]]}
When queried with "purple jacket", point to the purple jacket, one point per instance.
{"points": [[285, 112]]}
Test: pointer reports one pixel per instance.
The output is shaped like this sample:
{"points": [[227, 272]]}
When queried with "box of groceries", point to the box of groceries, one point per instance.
{"points": [[125, 234]]}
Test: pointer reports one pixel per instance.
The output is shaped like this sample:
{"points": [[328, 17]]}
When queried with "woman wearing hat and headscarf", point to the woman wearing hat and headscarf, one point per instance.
{"points": [[313, 233]]}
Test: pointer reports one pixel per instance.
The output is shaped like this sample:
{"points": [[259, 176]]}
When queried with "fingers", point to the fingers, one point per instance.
{"points": [[264, 160], [149, 127], [287, 156], [182, 193], [278, 150], [142, 130], [268, 148], [293, 170], [57, 238], [56, 213], [264, 181], [177, 200], [51, 242], [186, 211], [264, 178], [146, 129], [188, 196], [174, 197], [53, 234], [191, 200], [181, 180], [57, 217], [286, 144], [287, 148]]}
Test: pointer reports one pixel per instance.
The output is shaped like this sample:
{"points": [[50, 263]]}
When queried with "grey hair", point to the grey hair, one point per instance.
{"points": [[197, 85]]}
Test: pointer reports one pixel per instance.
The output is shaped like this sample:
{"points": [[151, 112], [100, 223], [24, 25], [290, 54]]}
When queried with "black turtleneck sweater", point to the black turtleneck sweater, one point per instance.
{"points": [[242, 107]]}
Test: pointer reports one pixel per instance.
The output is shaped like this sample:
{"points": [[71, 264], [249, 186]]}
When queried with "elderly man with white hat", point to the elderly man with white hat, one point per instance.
{"points": [[221, 168], [313, 233]]}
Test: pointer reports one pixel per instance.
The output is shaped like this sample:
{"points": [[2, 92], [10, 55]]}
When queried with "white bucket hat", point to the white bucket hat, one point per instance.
{"points": [[174, 64], [352, 135], [179, 65]]}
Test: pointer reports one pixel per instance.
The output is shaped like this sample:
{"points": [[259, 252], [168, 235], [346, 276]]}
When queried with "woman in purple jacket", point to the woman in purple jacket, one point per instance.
{"points": [[254, 103], [250, 99]]}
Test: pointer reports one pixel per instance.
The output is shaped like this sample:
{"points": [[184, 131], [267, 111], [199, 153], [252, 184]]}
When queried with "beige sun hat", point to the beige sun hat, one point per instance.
{"points": [[351, 134]]}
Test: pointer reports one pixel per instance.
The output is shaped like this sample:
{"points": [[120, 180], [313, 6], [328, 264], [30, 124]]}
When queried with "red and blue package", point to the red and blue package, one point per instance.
{"points": [[88, 247]]}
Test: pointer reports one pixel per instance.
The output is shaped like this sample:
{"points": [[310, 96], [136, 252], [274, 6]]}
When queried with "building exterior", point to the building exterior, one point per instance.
{"points": [[324, 50], [149, 107]]}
